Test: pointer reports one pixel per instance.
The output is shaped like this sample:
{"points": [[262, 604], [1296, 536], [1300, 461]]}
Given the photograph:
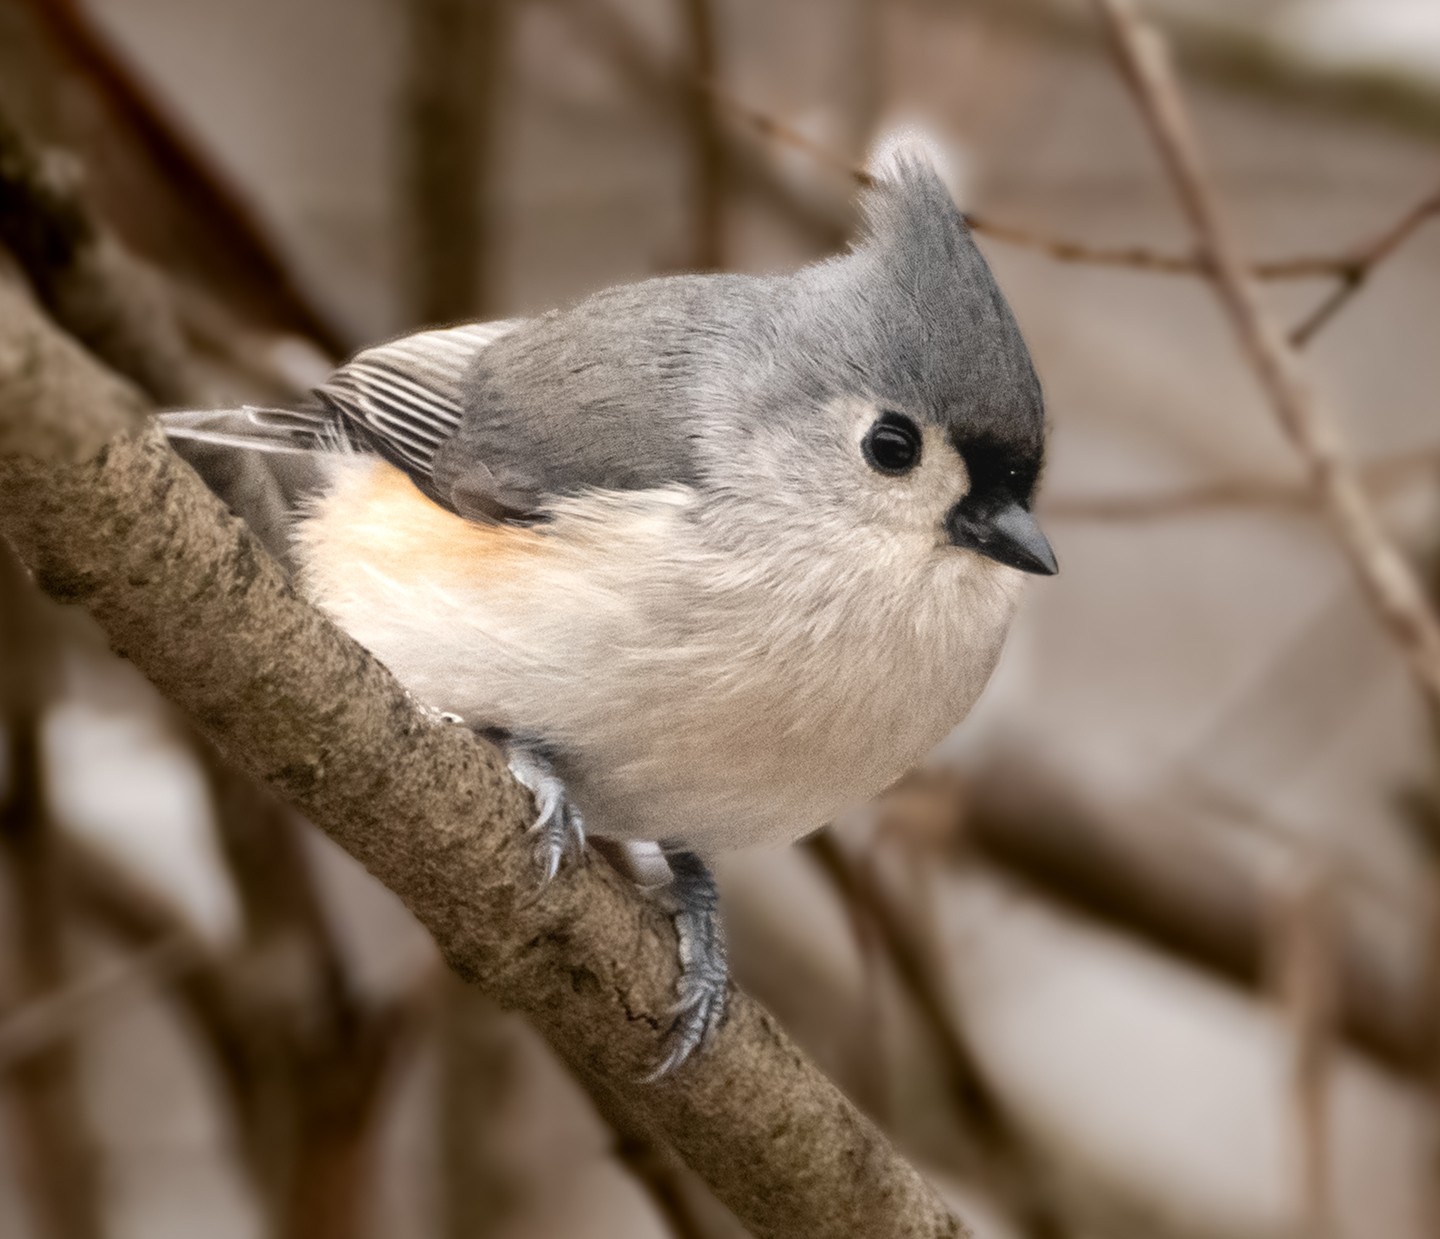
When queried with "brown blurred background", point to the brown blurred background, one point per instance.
{"points": [[1151, 950]]}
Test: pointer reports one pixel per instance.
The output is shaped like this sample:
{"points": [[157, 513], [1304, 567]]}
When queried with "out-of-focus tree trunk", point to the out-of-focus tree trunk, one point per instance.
{"points": [[859, 85], [479, 1064], [706, 146], [317, 1058], [455, 73], [57, 1160]]}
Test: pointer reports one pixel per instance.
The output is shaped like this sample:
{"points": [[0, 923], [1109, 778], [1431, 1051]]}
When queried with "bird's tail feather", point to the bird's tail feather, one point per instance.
{"points": [[302, 431]]}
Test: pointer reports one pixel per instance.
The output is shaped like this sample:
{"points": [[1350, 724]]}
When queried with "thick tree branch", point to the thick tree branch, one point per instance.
{"points": [[109, 518]]}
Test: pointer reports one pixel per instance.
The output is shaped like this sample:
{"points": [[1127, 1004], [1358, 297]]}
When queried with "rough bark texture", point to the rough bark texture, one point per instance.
{"points": [[108, 518]]}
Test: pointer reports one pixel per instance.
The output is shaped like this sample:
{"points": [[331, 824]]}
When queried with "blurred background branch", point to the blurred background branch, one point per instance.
{"points": [[455, 77], [51, 1136], [1350, 268], [1383, 571]]}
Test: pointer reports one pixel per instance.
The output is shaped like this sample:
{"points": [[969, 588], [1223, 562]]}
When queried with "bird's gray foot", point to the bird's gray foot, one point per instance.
{"points": [[704, 966], [558, 830]]}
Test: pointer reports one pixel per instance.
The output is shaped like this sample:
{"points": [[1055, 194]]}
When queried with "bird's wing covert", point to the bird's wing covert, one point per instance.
{"points": [[403, 398]]}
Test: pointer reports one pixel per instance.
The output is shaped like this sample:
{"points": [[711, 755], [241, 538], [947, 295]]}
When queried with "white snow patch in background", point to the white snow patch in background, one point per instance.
{"points": [[1389, 36], [1400, 35]]}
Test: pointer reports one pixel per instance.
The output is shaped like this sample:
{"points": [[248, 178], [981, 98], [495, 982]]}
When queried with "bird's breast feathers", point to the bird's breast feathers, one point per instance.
{"points": [[724, 692]]}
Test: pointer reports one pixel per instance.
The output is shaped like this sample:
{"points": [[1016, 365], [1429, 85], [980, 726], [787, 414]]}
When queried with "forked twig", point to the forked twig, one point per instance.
{"points": [[1381, 477], [1366, 258], [1388, 579], [1352, 266]]}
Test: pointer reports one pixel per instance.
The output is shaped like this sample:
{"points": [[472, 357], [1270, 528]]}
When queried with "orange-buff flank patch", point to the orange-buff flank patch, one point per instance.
{"points": [[385, 521]]}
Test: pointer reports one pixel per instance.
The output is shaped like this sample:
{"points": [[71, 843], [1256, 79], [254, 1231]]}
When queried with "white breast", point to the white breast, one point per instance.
{"points": [[722, 697]]}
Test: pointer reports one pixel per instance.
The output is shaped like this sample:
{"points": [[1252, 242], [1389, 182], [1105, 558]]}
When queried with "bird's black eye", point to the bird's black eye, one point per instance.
{"points": [[892, 444]]}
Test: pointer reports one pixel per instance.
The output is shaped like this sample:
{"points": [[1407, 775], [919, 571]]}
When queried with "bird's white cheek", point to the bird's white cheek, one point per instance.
{"points": [[916, 502]]}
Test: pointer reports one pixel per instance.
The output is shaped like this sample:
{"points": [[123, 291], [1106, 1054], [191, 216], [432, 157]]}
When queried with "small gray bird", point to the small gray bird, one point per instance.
{"points": [[713, 557]]}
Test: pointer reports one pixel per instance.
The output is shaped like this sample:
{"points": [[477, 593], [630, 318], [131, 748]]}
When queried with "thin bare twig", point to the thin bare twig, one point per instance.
{"points": [[602, 25], [1388, 579], [60, 1014], [1382, 478], [1306, 984], [1001, 1158], [617, 36], [1365, 259], [775, 130], [1352, 266]]}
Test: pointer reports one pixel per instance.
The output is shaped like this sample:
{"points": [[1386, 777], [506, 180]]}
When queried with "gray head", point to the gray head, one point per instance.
{"points": [[893, 382]]}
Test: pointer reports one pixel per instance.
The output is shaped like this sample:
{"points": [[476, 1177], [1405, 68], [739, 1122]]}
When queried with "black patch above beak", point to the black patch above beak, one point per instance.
{"points": [[1005, 532]]}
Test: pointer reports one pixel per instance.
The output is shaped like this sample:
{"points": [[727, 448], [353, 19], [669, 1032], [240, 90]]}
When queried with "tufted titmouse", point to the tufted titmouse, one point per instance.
{"points": [[712, 556]]}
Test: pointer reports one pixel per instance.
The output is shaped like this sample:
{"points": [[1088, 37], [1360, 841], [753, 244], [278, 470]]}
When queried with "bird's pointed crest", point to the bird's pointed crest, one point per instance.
{"points": [[909, 200], [928, 325]]}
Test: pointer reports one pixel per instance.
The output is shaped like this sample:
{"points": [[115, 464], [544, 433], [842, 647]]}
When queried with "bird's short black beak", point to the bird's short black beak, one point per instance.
{"points": [[1005, 532]]}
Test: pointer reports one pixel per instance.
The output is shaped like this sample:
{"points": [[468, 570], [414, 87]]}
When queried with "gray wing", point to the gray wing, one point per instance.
{"points": [[493, 421], [406, 398], [606, 395], [495, 426], [400, 400]]}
